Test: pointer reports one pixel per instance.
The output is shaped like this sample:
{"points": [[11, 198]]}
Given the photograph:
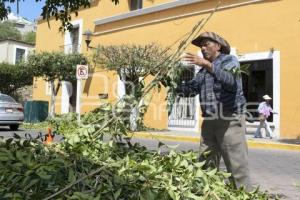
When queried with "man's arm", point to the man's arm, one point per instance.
{"points": [[224, 73], [191, 87]]}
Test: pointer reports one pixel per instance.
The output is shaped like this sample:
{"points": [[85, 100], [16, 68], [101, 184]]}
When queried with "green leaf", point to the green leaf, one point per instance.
{"points": [[172, 146], [30, 184], [16, 136], [9, 141], [43, 174], [160, 144], [71, 176], [200, 164], [117, 194], [192, 196], [4, 158], [199, 173], [148, 194], [212, 172], [174, 195]]}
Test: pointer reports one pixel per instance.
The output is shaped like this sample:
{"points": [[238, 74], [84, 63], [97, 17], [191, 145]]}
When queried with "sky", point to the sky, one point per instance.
{"points": [[29, 9]]}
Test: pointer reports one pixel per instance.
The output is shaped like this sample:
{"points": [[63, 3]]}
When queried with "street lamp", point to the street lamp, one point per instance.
{"points": [[88, 34]]}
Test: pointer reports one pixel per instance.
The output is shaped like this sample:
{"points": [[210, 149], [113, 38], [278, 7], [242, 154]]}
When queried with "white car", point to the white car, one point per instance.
{"points": [[11, 112]]}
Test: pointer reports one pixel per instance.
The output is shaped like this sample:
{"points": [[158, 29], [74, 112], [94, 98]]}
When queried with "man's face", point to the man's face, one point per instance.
{"points": [[210, 49]]}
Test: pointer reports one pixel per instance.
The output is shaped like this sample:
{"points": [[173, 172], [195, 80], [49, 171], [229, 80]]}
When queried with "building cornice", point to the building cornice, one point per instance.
{"points": [[145, 11], [17, 41]]}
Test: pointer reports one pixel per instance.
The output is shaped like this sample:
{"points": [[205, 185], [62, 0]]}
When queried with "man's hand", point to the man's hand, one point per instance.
{"points": [[194, 59]]}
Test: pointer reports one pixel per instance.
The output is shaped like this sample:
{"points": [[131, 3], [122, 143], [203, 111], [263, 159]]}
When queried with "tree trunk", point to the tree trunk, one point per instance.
{"points": [[53, 98], [134, 115]]}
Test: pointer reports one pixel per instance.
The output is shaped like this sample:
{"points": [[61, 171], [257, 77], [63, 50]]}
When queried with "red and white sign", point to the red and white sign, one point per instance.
{"points": [[82, 72]]}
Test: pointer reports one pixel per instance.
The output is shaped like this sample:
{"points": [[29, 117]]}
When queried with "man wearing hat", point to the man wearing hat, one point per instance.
{"points": [[264, 110], [222, 102]]}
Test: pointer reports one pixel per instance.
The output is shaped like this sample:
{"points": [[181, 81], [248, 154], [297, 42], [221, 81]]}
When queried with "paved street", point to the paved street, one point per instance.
{"points": [[277, 171]]}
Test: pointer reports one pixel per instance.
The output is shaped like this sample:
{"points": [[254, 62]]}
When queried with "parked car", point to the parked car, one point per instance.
{"points": [[11, 112]]}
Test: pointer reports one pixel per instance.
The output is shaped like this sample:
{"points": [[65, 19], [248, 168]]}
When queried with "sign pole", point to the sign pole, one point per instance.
{"points": [[78, 100], [82, 72]]}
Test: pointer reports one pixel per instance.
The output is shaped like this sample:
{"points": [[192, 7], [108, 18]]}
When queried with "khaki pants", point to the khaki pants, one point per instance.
{"points": [[226, 138]]}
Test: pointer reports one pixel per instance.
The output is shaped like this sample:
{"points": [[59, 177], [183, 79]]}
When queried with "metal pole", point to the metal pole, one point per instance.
{"points": [[78, 100]]}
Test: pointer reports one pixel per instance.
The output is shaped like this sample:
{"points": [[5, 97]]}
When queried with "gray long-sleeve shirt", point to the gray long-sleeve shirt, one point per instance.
{"points": [[220, 91]]}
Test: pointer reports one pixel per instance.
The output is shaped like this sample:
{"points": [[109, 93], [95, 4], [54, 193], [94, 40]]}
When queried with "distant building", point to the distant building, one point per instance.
{"points": [[22, 24], [13, 51]]}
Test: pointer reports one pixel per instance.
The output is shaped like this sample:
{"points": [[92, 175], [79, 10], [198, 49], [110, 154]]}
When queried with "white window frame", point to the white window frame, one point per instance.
{"points": [[68, 41], [15, 52], [275, 56]]}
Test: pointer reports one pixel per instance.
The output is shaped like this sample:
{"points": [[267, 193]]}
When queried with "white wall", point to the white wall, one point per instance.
{"points": [[8, 50], [3, 51]]}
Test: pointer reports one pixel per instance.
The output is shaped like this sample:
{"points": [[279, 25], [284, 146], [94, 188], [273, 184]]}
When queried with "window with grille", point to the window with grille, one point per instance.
{"points": [[183, 113]]}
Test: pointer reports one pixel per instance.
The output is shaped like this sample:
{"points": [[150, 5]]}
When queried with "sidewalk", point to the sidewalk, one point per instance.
{"points": [[188, 136]]}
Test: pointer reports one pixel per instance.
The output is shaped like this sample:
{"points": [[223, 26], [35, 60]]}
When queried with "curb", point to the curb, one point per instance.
{"points": [[179, 138]]}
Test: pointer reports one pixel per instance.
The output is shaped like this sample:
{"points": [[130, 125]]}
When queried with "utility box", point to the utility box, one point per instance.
{"points": [[35, 111]]}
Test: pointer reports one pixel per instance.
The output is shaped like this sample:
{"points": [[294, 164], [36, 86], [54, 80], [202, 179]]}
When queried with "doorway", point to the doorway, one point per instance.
{"points": [[258, 83], [73, 96], [264, 78]]}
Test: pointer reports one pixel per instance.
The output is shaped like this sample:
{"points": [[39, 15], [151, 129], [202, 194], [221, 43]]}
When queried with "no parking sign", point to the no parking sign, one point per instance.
{"points": [[82, 72]]}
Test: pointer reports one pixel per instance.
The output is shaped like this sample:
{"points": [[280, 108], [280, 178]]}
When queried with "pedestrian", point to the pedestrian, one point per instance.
{"points": [[222, 104], [264, 110]]}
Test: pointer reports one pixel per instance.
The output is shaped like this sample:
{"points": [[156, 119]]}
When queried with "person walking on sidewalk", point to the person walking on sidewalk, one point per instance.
{"points": [[264, 110], [222, 104]]}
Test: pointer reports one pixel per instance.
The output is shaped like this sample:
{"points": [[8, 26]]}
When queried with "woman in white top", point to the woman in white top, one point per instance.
{"points": [[264, 110]]}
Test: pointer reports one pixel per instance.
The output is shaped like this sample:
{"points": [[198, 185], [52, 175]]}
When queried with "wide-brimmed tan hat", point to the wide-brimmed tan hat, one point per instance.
{"points": [[225, 47], [267, 97]]}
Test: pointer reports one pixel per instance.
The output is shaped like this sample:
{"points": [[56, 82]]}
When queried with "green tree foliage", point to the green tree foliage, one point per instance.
{"points": [[29, 37], [8, 31], [14, 77], [59, 9], [55, 66], [133, 63]]}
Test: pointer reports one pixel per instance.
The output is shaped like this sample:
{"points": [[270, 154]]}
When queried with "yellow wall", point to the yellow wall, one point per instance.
{"points": [[256, 27]]}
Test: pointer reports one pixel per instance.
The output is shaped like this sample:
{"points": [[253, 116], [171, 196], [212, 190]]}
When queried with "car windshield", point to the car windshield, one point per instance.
{"points": [[6, 98]]}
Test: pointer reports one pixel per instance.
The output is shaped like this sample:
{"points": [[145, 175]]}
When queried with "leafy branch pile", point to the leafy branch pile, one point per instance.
{"points": [[97, 161], [106, 170]]}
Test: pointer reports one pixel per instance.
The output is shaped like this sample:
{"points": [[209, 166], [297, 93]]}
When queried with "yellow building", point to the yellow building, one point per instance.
{"points": [[264, 33]]}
